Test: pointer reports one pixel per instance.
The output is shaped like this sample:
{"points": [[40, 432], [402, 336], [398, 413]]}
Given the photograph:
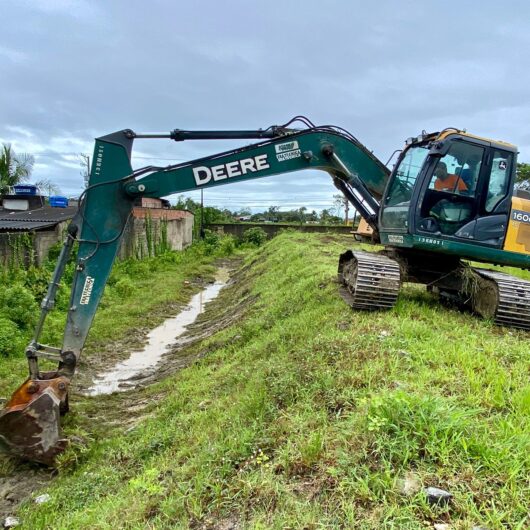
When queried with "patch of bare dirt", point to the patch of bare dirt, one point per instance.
{"points": [[19, 485]]}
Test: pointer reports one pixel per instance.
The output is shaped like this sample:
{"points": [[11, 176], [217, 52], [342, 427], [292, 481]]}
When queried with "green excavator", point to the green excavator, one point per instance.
{"points": [[450, 200]]}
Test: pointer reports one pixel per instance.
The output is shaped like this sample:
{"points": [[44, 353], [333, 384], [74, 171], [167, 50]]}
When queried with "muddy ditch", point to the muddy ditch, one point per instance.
{"points": [[125, 366], [127, 374]]}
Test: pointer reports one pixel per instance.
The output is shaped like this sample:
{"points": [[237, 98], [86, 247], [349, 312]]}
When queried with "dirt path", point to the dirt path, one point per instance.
{"points": [[124, 409]]}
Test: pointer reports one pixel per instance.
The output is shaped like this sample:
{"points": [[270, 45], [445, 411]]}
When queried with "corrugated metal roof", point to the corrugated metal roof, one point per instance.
{"points": [[44, 214], [8, 226]]}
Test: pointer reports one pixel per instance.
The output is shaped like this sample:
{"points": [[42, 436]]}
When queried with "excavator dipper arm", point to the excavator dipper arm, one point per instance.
{"points": [[29, 424]]}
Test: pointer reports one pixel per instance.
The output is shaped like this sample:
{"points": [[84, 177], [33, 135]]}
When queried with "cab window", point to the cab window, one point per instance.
{"points": [[458, 171], [397, 202], [499, 179], [449, 202], [406, 174]]}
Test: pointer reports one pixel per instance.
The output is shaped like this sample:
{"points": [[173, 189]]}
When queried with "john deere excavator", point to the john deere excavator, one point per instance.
{"points": [[449, 198]]}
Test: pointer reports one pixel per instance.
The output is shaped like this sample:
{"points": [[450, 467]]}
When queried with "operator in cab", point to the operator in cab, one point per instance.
{"points": [[448, 181]]}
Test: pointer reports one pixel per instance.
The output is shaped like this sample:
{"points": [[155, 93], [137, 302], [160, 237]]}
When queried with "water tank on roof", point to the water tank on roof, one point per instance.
{"points": [[58, 201], [25, 189]]}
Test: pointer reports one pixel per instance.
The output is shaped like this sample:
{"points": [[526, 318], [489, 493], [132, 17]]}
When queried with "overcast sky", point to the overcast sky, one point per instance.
{"points": [[72, 70]]}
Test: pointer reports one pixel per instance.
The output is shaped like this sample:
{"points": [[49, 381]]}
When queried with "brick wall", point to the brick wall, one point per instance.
{"points": [[272, 229]]}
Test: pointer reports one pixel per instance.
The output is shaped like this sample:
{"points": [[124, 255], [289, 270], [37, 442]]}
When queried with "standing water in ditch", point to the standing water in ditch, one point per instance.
{"points": [[160, 339]]}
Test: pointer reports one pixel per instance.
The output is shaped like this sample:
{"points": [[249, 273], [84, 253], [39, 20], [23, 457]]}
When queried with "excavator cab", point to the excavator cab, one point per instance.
{"points": [[452, 188]]}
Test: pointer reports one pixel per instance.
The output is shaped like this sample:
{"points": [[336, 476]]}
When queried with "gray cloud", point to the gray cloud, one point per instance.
{"points": [[74, 69]]}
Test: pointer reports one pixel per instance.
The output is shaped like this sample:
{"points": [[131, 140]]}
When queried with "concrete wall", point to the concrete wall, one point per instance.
{"points": [[173, 226], [149, 229], [14, 246], [272, 229]]}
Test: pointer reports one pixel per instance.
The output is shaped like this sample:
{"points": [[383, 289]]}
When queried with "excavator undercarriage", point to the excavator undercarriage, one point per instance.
{"points": [[371, 281]]}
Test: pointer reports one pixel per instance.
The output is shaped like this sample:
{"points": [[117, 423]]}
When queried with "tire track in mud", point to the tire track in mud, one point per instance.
{"points": [[130, 406]]}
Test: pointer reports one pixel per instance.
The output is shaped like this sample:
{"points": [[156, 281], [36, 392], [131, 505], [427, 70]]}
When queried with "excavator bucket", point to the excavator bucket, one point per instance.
{"points": [[29, 423]]}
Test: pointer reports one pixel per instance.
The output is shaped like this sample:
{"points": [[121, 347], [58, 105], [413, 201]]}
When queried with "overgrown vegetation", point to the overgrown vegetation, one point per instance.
{"points": [[23, 287], [304, 414], [255, 235], [523, 176]]}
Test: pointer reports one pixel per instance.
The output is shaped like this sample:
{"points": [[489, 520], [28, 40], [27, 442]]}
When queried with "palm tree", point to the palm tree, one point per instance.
{"points": [[47, 187], [13, 168]]}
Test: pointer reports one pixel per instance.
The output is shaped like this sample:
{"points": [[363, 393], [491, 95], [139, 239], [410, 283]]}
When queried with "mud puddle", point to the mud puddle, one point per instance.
{"points": [[127, 374]]}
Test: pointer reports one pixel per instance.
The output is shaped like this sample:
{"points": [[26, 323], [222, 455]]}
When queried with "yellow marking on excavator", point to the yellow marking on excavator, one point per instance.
{"points": [[518, 234], [445, 134]]}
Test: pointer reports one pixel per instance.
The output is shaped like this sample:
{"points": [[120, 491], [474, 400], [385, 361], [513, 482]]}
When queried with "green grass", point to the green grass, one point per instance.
{"points": [[304, 414]]}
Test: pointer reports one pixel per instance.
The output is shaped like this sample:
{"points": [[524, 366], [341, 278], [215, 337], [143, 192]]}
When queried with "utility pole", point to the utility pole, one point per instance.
{"points": [[202, 214]]}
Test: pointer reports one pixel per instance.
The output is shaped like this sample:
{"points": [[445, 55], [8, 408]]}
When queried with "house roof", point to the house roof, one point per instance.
{"points": [[37, 219], [9, 226]]}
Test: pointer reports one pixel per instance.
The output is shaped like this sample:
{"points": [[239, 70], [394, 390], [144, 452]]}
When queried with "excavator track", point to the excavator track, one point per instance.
{"points": [[368, 281], [503, 298]]}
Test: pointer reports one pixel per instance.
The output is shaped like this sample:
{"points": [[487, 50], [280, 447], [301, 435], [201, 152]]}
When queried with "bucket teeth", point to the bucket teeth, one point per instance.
{"points": [[30, 422]]}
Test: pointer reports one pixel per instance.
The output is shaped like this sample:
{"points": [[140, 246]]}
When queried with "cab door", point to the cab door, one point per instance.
{"points": [[468, 194]]}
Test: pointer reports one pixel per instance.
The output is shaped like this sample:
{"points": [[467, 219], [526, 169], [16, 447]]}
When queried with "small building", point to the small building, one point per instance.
{"points": [[29, 214], [154, 227], [30, 226]]}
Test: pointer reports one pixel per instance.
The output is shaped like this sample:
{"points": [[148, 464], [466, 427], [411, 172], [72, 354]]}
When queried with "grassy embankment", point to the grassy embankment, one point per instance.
{"points": [[304, 414]]}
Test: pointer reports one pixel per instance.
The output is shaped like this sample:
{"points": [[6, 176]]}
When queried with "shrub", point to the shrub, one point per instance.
{"points": [[11, 339], [133, 268], [124, 287], [211, 238], [18, 304], [227, 245], [210, 242], [255, 236]]}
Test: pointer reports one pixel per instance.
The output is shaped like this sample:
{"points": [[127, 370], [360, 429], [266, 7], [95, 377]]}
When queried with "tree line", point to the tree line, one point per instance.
{"points": [[213, 215]]}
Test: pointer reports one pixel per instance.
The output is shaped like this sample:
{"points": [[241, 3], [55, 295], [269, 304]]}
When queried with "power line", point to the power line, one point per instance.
{"points": [[58, 155]]}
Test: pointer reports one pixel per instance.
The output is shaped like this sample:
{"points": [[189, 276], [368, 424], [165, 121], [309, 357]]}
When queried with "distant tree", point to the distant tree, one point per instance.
{"points": [[338, 203], [185, 203], [84, 163], [14, 168], [244, 212], [210, 213], [341, 204], [327, 218], [47, 187], [313, 216], [301, 214], [523, 173]]}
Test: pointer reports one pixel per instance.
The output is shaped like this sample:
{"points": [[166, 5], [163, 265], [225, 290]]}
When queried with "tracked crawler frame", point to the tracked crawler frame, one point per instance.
{"points": [[371, 281]]}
